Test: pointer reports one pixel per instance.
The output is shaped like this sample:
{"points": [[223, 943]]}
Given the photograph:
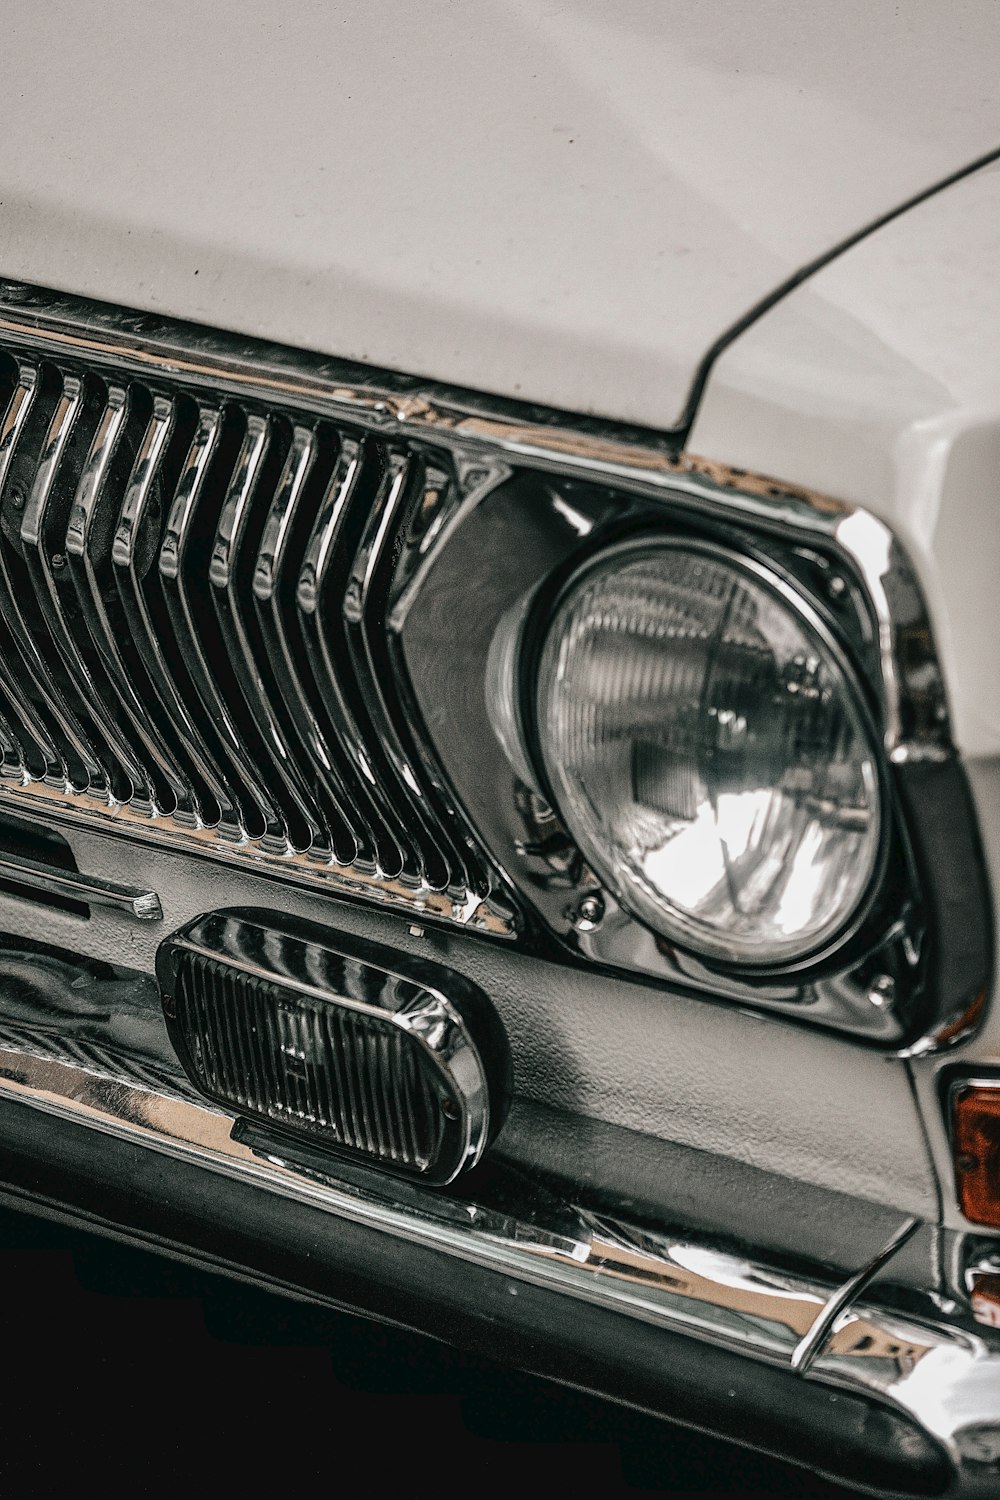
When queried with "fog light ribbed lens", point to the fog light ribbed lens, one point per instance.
{"points": [[347, 1045], [709, 751]]}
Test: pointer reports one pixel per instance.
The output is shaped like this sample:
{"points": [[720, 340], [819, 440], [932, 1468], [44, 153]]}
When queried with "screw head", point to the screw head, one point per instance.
{"points": [[17, 496], [882, 991], [590, 913]]}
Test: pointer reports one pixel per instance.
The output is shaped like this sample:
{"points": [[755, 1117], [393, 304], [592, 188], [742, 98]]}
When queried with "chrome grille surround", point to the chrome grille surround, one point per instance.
{"points": [[197, 543]]}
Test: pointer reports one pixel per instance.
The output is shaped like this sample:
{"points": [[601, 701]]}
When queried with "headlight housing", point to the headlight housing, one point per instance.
{"points": [[554, 630], [708, 747]]}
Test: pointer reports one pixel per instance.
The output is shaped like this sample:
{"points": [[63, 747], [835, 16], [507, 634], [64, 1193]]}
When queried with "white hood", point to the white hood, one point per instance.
{"points": [[567, 204]]}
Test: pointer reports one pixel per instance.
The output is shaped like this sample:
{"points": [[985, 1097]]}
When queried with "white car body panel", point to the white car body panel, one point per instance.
{"points": [[878, 381], [566, 207], [571, 214], [594, 208]]}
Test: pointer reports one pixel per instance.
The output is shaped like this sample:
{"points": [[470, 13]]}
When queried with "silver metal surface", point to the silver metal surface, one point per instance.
{"points": [[143, 905], [202, 674], [26, 640], [17, 757], [390, 845], [303, 822], [108, 640], [43, 550], [443, 862], [905, 1349], [299, 711], [933, 1362], [238, 738]]}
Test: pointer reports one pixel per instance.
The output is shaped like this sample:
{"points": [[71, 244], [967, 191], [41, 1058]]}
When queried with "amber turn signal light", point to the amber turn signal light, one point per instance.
{"points": [[976, 1134]]}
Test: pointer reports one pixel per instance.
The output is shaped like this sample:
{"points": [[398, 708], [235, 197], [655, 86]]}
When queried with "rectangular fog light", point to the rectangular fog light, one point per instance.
{"points": [[348, 1045]]}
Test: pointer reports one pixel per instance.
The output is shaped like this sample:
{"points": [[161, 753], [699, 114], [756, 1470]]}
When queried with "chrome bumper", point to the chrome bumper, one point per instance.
{"points": [[881, 1377]]}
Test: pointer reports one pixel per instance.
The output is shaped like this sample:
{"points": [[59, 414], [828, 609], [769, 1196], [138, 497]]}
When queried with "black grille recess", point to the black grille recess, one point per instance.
{"points": [[324, 1038], [193, 592]]}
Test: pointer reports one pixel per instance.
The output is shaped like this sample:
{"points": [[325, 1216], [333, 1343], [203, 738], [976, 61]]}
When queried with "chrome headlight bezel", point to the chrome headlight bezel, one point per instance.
{"points": [[674, 925], [897, 970]]}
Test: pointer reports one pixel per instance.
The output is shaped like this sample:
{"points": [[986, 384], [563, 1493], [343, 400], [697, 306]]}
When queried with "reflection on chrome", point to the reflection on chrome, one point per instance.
{"points": [[703, 1292], [937, 1367], [948, 1379]]}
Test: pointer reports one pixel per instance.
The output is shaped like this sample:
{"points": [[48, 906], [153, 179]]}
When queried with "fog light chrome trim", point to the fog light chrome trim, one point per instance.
{"points": [[341, 1044]]}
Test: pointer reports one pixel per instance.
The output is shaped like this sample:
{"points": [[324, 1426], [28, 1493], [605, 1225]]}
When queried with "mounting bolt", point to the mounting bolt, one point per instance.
{"points": [[17, 496], [882, 991], [58, 561], [590, 913], [837, 586]]}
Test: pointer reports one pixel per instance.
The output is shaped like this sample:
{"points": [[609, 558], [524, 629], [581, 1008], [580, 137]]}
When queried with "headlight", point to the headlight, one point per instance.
{"points": [[709, 751]]}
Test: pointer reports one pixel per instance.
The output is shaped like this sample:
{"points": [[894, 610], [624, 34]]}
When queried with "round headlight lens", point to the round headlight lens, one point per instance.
{"points": [[709, 752]]}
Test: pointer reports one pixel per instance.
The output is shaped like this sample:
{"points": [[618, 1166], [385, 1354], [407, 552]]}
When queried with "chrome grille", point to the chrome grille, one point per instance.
{"points": [[193, 591]]}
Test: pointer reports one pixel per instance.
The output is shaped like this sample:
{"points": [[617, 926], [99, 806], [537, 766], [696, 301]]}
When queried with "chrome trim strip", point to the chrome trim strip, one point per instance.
{"points": [[677, 1283], [804, 1354], [924, 1358], [142, 904], [931, 1364], [74, 809]]}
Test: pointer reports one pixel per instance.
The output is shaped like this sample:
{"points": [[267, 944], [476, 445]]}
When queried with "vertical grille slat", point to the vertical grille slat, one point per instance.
{"points": [[323, 575], [50, 765], [259, 815], [364, 606], [136, 540], [323, 694], [229, 580], [430, 498], [87, 548], [194, 585], [42, 538], [395, 775], [348, 840], [84, 768]]}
